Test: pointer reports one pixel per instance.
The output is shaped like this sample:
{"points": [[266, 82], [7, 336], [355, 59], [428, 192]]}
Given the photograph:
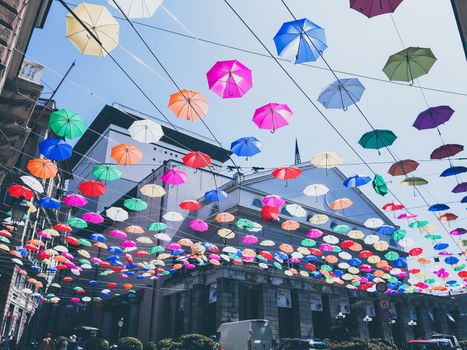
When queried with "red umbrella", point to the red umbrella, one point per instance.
{"points": [[18, 191], [286, 173], [63, 228], [365, 254], [393, 206], [72, 240], [92, 188], [415, 251], [347, 244], [446, 151], [190, 205], [269, 213], [316, 252], [197, 160], [266, 255], [5, 233], [403, 167]]}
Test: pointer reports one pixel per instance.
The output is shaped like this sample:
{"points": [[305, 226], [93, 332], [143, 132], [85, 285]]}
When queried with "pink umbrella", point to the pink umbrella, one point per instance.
{"points": [[442, 273], [67, 255], [75, 200], [407, 216], [174, 246], [188, 265], [70, 265], [214, 257], [249, 239], [199, 225], [229, 79], [93, 218], [43, 234], [273, 201], [272, 116], [294, 260], [75, 300], [458, 231], [128, 244], [314, 233], [118, 234], [326, 247], [174, 177], [95, 260], [402, 274]]}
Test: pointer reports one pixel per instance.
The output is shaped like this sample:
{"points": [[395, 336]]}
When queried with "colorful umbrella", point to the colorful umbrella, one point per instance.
{"points": [[326, 160], [269, 213], [32, 183], [229, 79], [446, 151], [152, 190], [377, 139], [454, 170], [77, 222], [373, 223], [93, 218], [42, 168], [300, 41], [356, 181], [55, 149], [215, 195], [409, 64], [315, 190], [433, 117], [100, 22], [49, 203], [116, 214], [372, 8], [92, 188], [319, 219], [414, 181], [197, 160], [75, 200], [135, 204], [190, 205], [174, 177], [189, 105], [199, 225], [341, 94], [137, 8], [272, 116], [106, 172], [145, 131], [19, 191], [224, 217], [403, 167], [447, 217], [273, 201], [393, 206], [157, 226], [438, 207], [172, 216], [462, 187], [246, 147], [126, 154], [65, 123], [286, 173], [379, 185], [341, 204]]}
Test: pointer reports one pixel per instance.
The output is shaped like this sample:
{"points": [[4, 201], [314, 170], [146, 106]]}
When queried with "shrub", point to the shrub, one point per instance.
{"points": [[197, 342], [129, 343], [360, 344], [95, 343], [152, 345], [61, 340], [168, 344]]}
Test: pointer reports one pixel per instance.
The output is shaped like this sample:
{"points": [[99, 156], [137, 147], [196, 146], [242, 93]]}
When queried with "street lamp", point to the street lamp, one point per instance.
{"points": [[367, 319], [340, 316], [120, 325], [412, 323]]}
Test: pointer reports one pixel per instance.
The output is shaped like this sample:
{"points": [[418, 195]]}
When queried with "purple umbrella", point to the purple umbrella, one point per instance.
{"points": [[446, 151], [433, 117], [458, 231], [229, 79], [462, 187], [372, 8]]}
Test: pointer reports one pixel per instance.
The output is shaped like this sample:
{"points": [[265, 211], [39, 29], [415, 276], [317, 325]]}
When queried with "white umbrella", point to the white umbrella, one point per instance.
{"points": [[61, 249], [331, 239], [326, 160], [295, 210], [17, 261], [145, 240], [316, 190], [319, 219], [116, 214], [146, 131], [256, 227], [343, 265], [32, 183], [345, 255], [373, 223], [137, 8], [172, 216], [163, 237], [405, 242], [371, 239], [26, 291], [152, 190]]}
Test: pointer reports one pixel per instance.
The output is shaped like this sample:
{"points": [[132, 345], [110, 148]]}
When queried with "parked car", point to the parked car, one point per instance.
{"points": [[303, 344], [430, 344], [452, 338], [243, 335]]}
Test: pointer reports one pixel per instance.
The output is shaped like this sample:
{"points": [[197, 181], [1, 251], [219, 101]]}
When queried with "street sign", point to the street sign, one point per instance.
{"points": [[386, 316], [381, 287], [384, 304]]}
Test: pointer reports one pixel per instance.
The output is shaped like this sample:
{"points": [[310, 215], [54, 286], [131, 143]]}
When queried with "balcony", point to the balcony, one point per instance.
{"points": [[31, 71]]}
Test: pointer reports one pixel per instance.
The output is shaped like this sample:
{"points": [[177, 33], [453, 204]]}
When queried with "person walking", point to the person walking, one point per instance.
{"points": [[47, 343]]}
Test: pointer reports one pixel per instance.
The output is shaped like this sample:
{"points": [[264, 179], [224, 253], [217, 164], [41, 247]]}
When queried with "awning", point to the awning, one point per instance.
{"points": [[450, 317]]}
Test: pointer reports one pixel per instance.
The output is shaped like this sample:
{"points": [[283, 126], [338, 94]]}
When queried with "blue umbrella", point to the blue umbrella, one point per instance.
{"points": [[92, 282], [115, 250], [386, 230], [454, 170], [451, 260], [55, 149], [356, 181], [440, 246], [400, 262], [215, 195], [341, 94], [438, 207], [281, 256], [98, 237], [354, 262], [464, 200], [49, 203], [246, 147], [300, 41]]}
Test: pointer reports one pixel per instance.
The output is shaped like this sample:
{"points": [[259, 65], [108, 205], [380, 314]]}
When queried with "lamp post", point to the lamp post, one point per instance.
{"points": [[120, 325], [392, 322], [412, 324], [340, 317], [367, 319]]}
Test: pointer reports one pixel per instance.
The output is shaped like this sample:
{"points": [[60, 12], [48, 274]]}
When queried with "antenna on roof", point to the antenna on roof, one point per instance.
{"points": [[298, 160]]}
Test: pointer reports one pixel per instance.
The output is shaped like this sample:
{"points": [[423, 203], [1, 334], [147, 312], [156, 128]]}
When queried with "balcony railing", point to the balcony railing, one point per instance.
{"points": [[31, 71]]}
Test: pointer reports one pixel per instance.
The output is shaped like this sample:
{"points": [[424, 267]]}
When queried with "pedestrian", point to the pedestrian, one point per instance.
{"points": [[5, 343], [47, 343], [72, 343]]}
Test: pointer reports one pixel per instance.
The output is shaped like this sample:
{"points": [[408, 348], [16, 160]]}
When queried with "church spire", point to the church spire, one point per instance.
{"points": [[297, 153]]}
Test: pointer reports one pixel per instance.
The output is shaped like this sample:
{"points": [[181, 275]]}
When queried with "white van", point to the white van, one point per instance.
{"points": [[245, 335]]}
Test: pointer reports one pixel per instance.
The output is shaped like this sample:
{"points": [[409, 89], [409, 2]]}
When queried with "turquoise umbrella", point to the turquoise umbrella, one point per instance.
{"points": [[377, 139]]}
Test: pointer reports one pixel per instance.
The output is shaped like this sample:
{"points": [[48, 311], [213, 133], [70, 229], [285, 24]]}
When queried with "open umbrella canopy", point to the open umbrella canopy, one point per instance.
{"points": [[42, 168], [341, 204], [65, 123], [377, 139], [273, 200], [152, 190], [92, 188], [49, 203], [197, 160], [446, 151], [454, 170], [300, 41], [446, 217], [433, 117], [145, 131], [229, 79], [409, 64], [189, 105], [286, 173], [326, 160], [135, 204], [272, 116], [100, 22], [459, 188], [356, 181], [106, 172], [403, 167], [75, 200], [414, 181], [372, 8], [190, 205], [116, 214], [246, 147], [19, 191], [32, 183], [341, 94], [316, 190], [438, 207], [55, 149], [137, 8], [126, 154], [379, 185], [174, 177]]}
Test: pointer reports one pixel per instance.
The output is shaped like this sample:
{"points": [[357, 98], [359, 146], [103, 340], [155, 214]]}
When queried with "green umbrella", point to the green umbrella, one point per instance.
{"points": [[379, 185], [429, 281], [4, 239], [433, 237], [398, 235], [414, 181], [341, 228], [418, 224], [77, 222], [156, 249], [377, 139], [409, 64], [245, 224], [85, 261], [106, 172], [277, 265], [308, 242], [67, 124], [336, 249], [84, 242], [157, 226], [135, 204], [391, 256], [325, 267], [459, 268]]}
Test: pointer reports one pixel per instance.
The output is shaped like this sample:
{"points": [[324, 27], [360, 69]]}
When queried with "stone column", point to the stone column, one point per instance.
{"points": [[403, 320], [227, 300], [424, 321], [198, 303], [306, 316], [134, 318], [442, 320], [270, 311]]}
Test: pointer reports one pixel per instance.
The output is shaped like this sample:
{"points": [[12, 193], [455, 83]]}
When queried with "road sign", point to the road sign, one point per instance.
{"points": [[386, 316], [384, 304]]}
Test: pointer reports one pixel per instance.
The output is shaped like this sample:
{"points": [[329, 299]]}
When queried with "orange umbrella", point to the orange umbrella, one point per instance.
{"points": [[286, 248], [100, 245], [331, 259], [134, 229], [43, 168], [189, 105], [290, 225], [356, 247], [381, 264], [126, 154], [341, 204], [447, 217], [224, 217]]}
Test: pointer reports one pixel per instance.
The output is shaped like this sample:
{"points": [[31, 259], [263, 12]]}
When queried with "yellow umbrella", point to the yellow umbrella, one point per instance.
{"points": [[267, 243], [152, 190], [319, 219], [356, 234], [381, 246], [326, 160], [100, 22], [226, 233]]}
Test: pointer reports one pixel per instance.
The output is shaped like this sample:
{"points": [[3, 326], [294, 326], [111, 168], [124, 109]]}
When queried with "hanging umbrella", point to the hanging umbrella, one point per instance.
{"points": [[272, 116], [215, 195], [190, 205], [341, 94], [106, 172], [250, 239], [32, 183], [197, 160], [462, 187], [172, 216], [116, 214], [137, 8], [55, 149], [326, 160], [403, 167], [373, 223], [229, 79], [295, 210], [65, 123], [414, 181], [269, 213], [152, 190], [379, 185], [19, 191], [454, 170], [372, 8], [100, 22], [446, 217], [42, 168], [286, 173], [409, 64], [126, 154], [174, 177], [135, 204], [92, 188], [189, 105], [157, 226], [377, 139], [316, 190], [300, 41], [118, 234], [319, 219], [458, 231], [273, 200], [290, 225], [93, 218], [246, 147], [145, 131], [75, 200], [438, 207], [77, 222], [386, 230], [224, 217], [433, 117], [49, 203], [356, 181], [446, 151], [198, 225], [393, 206], [341, 204]]}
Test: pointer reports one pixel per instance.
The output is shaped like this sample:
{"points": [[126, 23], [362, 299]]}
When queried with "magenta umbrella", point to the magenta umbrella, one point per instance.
{"points": [[118, 234], [325, 247], [174, 246], [314, 233], [249, 239], [43, 234], [229, 79], [93, 218], [372, 8], [407, 216], [174, 177], [273, 200], [458, 231], [75, 200], [128, 244], [442, 273], [199, 225], [272, 116]]}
